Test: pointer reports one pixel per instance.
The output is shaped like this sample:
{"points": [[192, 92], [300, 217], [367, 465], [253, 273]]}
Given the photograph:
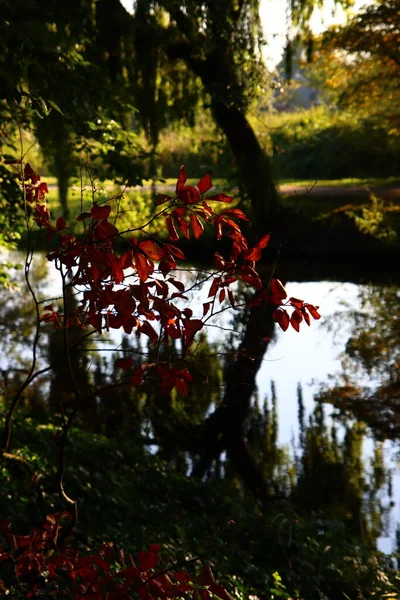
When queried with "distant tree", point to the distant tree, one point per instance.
{"points": [[358, 64]]}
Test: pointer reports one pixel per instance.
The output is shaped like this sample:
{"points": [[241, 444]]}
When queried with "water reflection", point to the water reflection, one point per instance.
{"points": [[308, 456]]}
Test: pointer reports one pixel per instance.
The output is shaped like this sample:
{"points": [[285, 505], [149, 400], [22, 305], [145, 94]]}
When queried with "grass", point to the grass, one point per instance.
{"points": [[347, 182]]}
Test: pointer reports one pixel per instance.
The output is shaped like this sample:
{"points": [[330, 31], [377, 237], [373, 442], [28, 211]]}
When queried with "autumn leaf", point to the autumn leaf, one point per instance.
{"points": [[235, 212], [254, 254], [123, 363], [220, 198], [205, 184], [175, 251], [191, 327], [182, 177], [313, 310], [172, 232], [296, 303], [296, 319], [83, 216], [100, 212], [189, 194], [278, 291], [197, 225], [144, 266], [151, 249], [181, 386], [126, 259], [105, 229], [148, 330], [214, 287], [281, 317]]}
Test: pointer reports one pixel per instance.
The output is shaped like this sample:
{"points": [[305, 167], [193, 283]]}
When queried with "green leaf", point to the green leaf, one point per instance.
{"points": [[55, 106]]}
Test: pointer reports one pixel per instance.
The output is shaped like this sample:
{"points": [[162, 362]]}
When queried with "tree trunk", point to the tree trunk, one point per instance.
{"points": [[253, 163], [227, 422], [225, 427]]}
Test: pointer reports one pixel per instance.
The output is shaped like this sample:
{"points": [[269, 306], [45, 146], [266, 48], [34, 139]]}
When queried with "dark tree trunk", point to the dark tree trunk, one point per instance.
{"points": [[253, 163], [54, 137], [225, 428]]}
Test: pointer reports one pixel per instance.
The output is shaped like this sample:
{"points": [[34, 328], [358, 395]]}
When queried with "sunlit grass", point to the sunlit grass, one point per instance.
{"points": [[346, 182]]}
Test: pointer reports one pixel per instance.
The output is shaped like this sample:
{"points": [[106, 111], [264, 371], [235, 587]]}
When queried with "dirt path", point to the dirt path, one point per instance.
{"points": [[389, 192]]}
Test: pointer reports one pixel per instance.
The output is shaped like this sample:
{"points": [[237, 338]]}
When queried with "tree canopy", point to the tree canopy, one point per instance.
{"points": [[368, 48]]}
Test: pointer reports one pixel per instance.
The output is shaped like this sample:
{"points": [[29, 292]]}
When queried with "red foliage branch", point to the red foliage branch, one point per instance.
{"points": [[44, 563], [147, 306]]}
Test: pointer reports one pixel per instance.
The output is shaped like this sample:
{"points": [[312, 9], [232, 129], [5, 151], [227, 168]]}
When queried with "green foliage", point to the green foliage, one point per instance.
{"points": [[320, 144], [371, 221], [129, 496]]}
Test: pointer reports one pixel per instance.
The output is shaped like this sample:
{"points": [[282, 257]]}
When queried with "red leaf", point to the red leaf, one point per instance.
{"points": [[191, 327], [181, 386], [281, 317], [182, 177], [116, 268], [172, 232], [175, 251], [219, 261], [222, 295], [205, 184], [296, 303], [214, 287], [220, 198], [106, 230], [100, 212], [126, 259], [235, 212], [207, 209], [313, 310], [306, 316], [198, 227], [166, 266], [144, 266], [296, 319], [206, 576], [148, 330], [189, 194], [123, 363], [138, 375], [206, 308], [180, 211], [253, 254], [263, 243], [218, 227], [147, 560], [151, 249], [185, 374], [231, 298], [184, 227], [278, 290], [178, 284], [129, 572], [83, 216]]}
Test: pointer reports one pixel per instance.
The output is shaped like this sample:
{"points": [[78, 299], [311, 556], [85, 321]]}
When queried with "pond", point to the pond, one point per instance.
{"points": [[309, 358]]}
